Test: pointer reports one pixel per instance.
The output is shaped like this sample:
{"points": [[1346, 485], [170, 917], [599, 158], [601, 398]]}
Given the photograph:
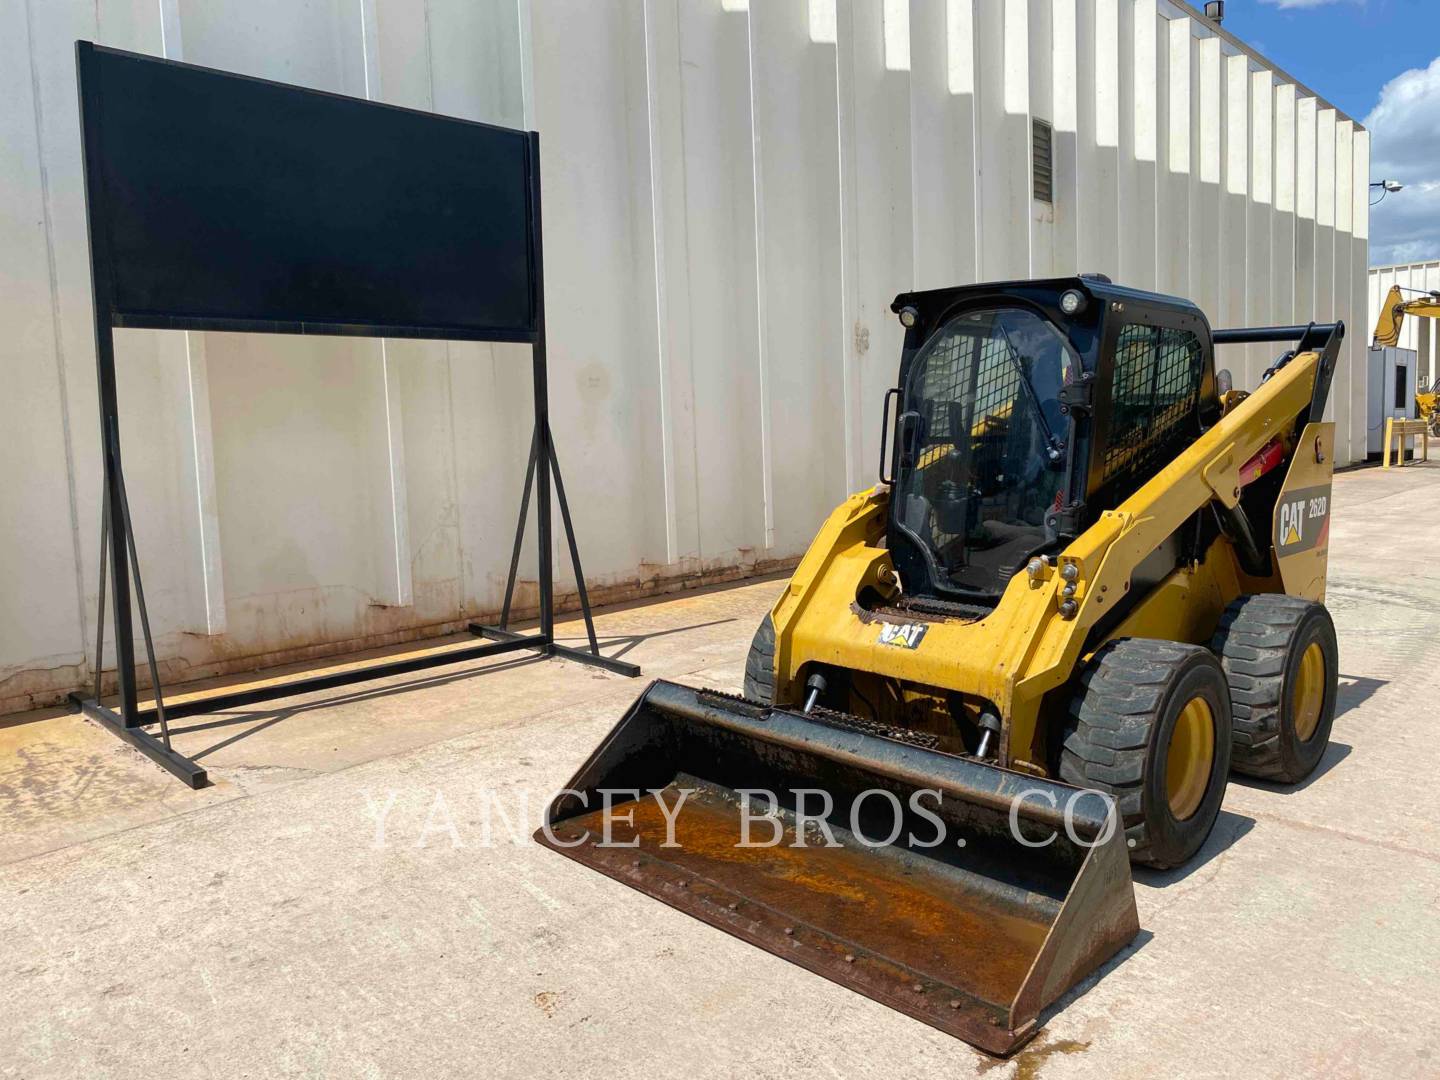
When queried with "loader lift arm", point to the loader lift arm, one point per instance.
{"points": [[1208, 472]]}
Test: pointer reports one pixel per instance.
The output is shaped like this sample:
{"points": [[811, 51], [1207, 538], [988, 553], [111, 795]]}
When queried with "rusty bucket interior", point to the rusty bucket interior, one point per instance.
{"points": [[944, 887]]}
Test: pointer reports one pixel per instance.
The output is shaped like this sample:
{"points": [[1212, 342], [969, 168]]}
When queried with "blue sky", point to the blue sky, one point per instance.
{"points": [[1379, 61], [1345, 50]]}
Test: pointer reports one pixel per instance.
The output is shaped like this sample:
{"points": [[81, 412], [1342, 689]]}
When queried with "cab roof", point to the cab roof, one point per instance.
{"points": [[1097, 287]]}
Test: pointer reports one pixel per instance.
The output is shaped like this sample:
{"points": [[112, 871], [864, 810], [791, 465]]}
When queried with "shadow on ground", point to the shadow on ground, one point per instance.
{"points": [[1354, 691], [1229, 827], [1334, 754], [263, 719], [629, 641], [1085, 985]]}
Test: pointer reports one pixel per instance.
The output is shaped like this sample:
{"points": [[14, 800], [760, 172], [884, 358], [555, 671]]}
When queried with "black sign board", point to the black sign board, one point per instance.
{"points": [[221, 202], [224, 202]]}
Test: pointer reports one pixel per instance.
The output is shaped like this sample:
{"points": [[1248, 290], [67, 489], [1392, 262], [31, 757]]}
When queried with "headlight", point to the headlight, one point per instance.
{"points": [[908, 315], [1072, 301]]}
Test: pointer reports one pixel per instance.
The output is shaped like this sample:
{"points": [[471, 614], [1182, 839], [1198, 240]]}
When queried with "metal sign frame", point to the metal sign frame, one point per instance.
{"points": [[127, 720]]}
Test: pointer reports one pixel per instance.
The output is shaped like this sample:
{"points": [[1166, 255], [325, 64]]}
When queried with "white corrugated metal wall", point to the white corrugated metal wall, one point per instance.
{"points": [[1422, 335], [733, 193]]}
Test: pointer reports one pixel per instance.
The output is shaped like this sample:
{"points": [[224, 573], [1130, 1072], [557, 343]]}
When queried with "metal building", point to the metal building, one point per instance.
{"points": [[733, 193], [1422, 335]]}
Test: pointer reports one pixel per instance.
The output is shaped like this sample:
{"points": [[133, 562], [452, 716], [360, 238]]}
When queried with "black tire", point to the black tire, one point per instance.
{"points": [[1119, 736], [1262, 642], [760, 664]]}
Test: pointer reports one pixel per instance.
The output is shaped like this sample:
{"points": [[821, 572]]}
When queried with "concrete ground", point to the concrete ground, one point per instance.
{"points": [[331, 905]]}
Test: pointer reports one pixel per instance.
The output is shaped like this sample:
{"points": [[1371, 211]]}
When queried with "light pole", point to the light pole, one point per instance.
{"points": [[1386, 187]]}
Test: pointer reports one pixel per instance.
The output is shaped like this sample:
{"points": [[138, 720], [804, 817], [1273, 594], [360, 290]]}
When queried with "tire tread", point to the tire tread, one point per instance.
{"points": [[760, 664], [1107, 741], [1253, 642]]}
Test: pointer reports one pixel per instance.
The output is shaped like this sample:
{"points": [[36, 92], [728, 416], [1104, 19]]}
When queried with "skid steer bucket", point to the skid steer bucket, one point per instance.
{"points": [[954, 891]]}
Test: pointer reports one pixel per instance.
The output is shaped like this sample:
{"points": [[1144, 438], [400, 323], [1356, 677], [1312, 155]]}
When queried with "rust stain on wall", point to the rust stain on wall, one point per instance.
{"points": [[186, 657]]}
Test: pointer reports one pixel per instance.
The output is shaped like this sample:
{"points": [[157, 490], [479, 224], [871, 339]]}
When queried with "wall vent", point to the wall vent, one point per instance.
{"points": [[1042, 154]]}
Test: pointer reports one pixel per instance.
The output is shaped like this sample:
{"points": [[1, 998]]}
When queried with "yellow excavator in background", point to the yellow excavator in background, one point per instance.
{"points": [[1089, 585], [1387, 333]]}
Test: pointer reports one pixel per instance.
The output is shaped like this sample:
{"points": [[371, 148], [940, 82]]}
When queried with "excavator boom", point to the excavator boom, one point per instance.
{"points": [[1393, 311]]}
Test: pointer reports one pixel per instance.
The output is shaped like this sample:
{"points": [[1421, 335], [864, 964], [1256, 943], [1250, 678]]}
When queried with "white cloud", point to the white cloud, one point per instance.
{"points": [[1405, 146], [1405, 228]]}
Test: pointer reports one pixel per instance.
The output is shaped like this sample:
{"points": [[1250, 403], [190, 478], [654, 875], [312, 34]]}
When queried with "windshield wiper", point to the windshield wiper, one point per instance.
{"points": [[1055, 446]]}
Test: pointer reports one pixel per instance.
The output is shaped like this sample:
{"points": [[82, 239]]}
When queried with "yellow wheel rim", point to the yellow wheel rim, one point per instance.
{"points": [[1190, 758], [1309, 693]]}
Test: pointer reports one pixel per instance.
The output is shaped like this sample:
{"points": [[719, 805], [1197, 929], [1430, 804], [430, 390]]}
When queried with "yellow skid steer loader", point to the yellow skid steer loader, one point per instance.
{"points": [[1089, 585]]}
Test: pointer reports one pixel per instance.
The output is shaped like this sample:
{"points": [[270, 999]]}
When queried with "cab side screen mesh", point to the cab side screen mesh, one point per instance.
{"points": [[1156, 390]]}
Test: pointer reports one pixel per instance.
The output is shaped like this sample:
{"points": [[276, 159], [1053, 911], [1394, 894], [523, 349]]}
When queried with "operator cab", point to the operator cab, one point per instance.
{"points": [[1026, 408]]}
